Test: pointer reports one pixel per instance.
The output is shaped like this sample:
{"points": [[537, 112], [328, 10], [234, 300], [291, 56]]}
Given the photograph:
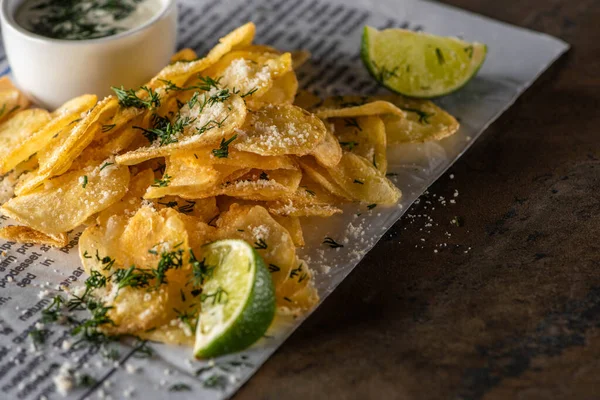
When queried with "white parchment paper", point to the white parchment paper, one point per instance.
{"points": [[331, 30]]}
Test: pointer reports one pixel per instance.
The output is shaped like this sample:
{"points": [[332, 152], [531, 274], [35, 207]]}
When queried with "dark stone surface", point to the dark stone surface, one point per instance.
{"points": [[511, 309]]}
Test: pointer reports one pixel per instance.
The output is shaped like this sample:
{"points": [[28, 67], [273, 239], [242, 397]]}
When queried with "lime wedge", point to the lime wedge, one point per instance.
{"points": [[418, 64], [238, 301]]}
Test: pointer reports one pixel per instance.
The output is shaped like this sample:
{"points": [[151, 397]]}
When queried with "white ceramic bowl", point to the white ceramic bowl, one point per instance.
{"points": [[52, 71]]}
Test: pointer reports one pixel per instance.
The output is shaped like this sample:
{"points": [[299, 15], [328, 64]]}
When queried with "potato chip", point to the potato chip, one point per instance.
{"points": [[179, 72], [424, 121], [184, 173], [363, 136], [9, 181], [321, 176], [134, 310], [186, 54], [15, 131], [262, 185], [377, 107], [132, 201], [168, 334], [299, 58], [328, 153], [99, 247], [298, 292], [239, 159], [67, 201], [149, 233], [204, 210], [59, 154], [307, 100], [260, 48], [250, 74], [309, 200], [210, 119], [294, 228], [283, 91], [11, 99], [199, 232], [291, 208], [363, 181], [250, 185], [280, 129], [24, 234], [271, 240]]}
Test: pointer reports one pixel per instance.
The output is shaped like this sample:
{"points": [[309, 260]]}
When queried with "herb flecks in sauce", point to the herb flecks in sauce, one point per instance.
{"points": [[85, 19]]}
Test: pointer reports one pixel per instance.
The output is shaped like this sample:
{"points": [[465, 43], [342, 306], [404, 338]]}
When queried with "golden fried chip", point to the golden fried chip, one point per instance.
{"points": [[14, 132], [24, 234], [204, 210], [9, 181], [262, 185], [294, 228], [260, 48], [424, 121], [179, 72], [67, 201], [299, 58], [328, 153], [307, 100], [99, 247], [149, 233], [283, 91], [134, 310], [58, 155], [309, 200], [169, 334], [363, 136], [186, 54], [358, 177], [199, 232], [321, 176], [239, 159], [11, 99], [377, 107], [250, 74], [132, 201], [208, 122], [271, 240], [298, 292], [280, 129], [184, 173]]}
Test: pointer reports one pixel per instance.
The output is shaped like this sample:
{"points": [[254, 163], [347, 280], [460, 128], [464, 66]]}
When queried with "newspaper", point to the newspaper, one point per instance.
{"points": [[331, 31]]}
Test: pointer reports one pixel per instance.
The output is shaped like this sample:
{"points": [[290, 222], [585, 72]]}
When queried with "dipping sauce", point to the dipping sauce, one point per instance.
{"points": [[85, 19]]}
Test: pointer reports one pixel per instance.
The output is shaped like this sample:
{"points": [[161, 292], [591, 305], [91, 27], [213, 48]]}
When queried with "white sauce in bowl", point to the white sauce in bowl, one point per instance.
{"points": [[85, 19]]}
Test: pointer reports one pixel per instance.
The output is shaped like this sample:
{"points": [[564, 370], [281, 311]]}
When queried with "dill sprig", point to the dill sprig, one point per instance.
{"points": [[129, 98], [168, 260], [332, 243], [349, 145], [353, 123], [180, 387], [163, 182], [132, 277], [164, 130], [260, 244], [200, 271], [423, 116], [223, 150], [189, 318]]}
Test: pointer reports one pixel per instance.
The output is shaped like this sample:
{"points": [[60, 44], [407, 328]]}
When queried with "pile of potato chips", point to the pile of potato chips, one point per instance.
{"points": [[211, 148]]}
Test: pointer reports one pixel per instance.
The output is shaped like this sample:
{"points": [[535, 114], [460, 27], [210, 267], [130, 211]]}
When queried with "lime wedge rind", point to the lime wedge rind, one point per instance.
{"points": [[420, 65], [251, 318]]}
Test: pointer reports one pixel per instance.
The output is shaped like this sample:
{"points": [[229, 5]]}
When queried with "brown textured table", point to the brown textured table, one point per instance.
{"points": [[517, 315]]}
